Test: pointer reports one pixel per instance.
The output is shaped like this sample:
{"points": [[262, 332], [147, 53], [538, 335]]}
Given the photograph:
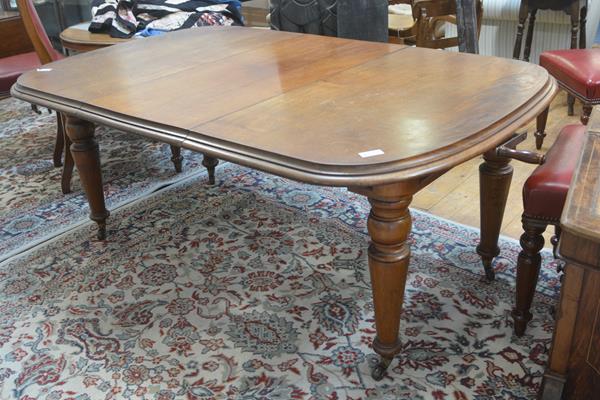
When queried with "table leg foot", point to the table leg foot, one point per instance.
{"points": [[379, 369], [101, 235], [210, 163], [488, 269], [87, 160], [495, 174]]}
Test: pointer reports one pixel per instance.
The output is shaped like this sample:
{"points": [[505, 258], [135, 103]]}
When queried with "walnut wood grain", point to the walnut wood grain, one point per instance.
{"points": [[581, 214], [269, 81], [304, 107]]}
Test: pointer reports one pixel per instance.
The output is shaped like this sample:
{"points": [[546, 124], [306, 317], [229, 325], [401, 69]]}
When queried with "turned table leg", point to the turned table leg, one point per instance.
{"points": [[87, 160], [210, 163], [495, 174], [389, 253]]}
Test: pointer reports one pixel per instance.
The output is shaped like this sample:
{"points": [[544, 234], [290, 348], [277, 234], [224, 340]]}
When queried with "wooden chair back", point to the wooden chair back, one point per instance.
{"points": [[428, 14], [37, 33]]}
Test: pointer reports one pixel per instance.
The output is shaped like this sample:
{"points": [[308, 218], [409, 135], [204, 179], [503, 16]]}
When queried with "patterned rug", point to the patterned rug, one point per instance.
{"points": [[258, 288], [32, 206]]}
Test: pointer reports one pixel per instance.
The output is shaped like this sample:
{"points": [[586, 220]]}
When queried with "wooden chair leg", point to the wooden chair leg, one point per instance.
{"points": [[523, 11], [60, 140], [67, 173], [585, 115], [554, 240], [528, 268], [529, 38], [574, 12], [582, 23], [570, 105], [176, 157], [210, 163], [540, 128]]}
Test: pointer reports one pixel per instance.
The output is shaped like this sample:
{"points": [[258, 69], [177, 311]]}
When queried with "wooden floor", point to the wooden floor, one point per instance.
{"points": [[455, 196]]}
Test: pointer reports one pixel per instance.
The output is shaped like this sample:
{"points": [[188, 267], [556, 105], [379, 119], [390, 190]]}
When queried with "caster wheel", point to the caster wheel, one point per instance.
{"points": [[102, 232], [490, 275], [379, 370]]}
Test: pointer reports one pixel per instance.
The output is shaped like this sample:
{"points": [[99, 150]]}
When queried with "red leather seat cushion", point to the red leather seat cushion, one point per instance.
{"points": [[577, 69], [12, 67], [545, 191]]}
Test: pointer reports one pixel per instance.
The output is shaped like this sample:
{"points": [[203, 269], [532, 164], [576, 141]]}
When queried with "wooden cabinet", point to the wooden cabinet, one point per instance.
{"points": [[13, 38], [574, 365]]}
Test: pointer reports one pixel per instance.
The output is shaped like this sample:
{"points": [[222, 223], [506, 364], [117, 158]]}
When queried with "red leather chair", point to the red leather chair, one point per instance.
{"points": [[12, 67], [544, 195], [577, 71]]}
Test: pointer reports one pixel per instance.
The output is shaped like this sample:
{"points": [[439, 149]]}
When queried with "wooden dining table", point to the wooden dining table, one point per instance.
{"points": [[321, 110], [79, 38]]}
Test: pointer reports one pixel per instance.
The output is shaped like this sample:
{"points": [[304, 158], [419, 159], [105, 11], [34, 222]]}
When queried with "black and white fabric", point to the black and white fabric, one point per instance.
{"points": [[123, 18]]}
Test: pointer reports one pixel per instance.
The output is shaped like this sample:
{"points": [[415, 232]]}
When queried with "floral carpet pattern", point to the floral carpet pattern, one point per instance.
{"points": [[32, 206], [258, 288]]}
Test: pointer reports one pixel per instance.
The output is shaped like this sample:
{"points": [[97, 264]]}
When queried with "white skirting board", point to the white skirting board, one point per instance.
{"points": [[552, 29]]}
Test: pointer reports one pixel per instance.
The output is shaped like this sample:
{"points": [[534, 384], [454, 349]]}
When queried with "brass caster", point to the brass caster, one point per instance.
{"points": [[379, 369], [490, 275], [101, 232]]}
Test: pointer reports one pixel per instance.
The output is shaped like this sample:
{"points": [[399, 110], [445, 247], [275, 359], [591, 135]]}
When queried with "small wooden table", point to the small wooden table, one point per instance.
{"points": [[79, 38], [321, 110], [574, 365]]}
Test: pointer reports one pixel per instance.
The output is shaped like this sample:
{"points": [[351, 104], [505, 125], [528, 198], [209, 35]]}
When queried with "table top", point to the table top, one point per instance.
{"points": [[318, 109], [78, 37]]}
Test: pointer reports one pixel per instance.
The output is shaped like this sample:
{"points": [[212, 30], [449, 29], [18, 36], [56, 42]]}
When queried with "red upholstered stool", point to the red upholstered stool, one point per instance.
{"points": [[577, 72], [12, 67], [544, 195]]}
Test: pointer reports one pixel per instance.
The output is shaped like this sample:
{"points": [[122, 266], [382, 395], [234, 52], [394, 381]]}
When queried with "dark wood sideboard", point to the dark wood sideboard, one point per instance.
{"points": [[13, 37], [573, 370]]}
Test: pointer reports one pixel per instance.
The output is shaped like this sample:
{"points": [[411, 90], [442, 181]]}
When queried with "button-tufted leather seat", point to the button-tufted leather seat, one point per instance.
{"points": [[577, 70], [578, 73], [544, 195]]}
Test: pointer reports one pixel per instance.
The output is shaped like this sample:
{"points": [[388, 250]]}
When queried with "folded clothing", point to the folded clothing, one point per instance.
{"points": [[123, 18]]}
